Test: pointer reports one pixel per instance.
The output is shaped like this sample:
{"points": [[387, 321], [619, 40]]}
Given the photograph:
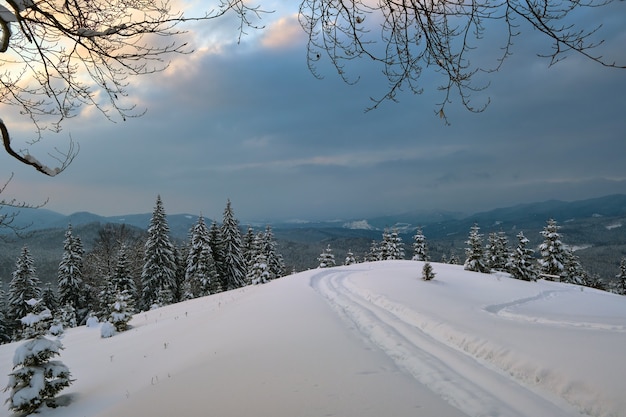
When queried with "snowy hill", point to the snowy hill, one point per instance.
{"points": [[370, 339]]}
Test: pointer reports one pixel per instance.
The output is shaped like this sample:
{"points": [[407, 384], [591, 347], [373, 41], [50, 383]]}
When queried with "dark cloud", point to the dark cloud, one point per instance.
{"points": [[252, 124]]}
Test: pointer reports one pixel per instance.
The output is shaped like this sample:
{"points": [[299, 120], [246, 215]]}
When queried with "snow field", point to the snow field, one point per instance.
{"points": [[365, 340]]}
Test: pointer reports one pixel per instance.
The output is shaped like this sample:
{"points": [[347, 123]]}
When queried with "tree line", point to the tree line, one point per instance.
{"points": [[140, 271], [554, 261]]}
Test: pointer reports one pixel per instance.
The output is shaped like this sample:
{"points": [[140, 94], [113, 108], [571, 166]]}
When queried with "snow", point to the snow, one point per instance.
{"points": [[613, 226], [367, 340], [358, 225]]}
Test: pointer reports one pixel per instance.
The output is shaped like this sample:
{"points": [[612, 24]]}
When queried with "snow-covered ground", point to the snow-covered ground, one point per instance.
{"points": [[368, 340]]}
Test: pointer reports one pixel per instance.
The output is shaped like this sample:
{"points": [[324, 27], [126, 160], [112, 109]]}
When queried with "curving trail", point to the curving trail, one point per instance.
{"points": [[464, 381]]}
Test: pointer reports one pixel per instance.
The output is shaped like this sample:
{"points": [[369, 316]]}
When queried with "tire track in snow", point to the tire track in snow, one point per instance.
{"points": [[452, 374]]}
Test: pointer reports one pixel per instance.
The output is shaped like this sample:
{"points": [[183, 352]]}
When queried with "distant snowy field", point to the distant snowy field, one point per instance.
{"points": [[368, 340]]}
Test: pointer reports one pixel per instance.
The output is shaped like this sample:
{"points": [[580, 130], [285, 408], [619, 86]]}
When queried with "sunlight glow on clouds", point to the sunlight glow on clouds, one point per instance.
{"points": [[283, 33]]}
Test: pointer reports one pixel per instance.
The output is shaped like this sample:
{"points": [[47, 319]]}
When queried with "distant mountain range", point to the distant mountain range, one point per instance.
{"points": [[593, 226], [437, 223]]}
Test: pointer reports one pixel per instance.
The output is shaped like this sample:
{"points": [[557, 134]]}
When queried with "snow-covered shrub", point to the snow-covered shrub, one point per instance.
{"points": [[107, 330], [36, 379]]}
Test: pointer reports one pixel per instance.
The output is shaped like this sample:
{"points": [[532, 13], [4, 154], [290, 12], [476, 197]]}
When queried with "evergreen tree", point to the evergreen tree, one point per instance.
{"points": [[4, 328], [350, 259], [420, 249], [374, 252], [49, 298], [67, 316], [326, 258], [475, 258], [621, 277], [275, 263], [158, 277], [454, 260], [217, 251], [234, 267], [24, 286], [552, 261], [36, 379], [260, 272], [520, 264], [391, 246], [427, 271], [70, 272], [122, 275], [497, 252], [200, 273], [573, 272], [120, 313], [249, 247]]}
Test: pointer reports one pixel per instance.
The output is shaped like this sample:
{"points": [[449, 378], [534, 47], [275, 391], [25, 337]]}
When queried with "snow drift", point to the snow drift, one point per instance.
{"points": [[369, 339]]}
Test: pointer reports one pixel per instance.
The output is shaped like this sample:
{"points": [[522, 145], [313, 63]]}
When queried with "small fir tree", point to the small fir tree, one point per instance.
{"points": [[475, 258], [621, 277], [120, 313], [420, 248], [326, 258], [374, 252], [36, 379], [5, 336], [520, 264], [350, 259], [497, 251], [552, 261], [427, 271], [573, 271], [24, 286], [275, 263], [70, 272], [260, 272]]}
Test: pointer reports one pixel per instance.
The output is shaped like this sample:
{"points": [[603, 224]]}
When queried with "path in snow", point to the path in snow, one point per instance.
{"points": [[443, 366]]}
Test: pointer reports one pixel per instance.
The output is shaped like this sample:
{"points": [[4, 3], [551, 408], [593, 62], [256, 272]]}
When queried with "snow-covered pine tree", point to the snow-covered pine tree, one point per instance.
{"points": [[253, 249], [427, 271], [120, 313], [260, 272], [497, 251], [552, 261], [420, 248], [573, 271], [217, 251], [234, 267], [391, 246], [158, 276], [326, 258], [122, 274], [374, 252], [70, 272], [36, 379], [49, 298], [454, 260], [275, 263], [248, 247], [350, 259], [475, 258], [521, 262], [621, 276], [24, 286], [5, 336], [200, 273]]}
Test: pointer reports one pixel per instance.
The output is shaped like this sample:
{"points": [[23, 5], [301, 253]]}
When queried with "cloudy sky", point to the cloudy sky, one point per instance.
{"points": [[249, 122]]}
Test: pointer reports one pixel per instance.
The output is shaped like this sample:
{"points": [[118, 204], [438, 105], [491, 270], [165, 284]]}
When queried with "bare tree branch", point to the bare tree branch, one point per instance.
{"points": [[407, 36]]}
